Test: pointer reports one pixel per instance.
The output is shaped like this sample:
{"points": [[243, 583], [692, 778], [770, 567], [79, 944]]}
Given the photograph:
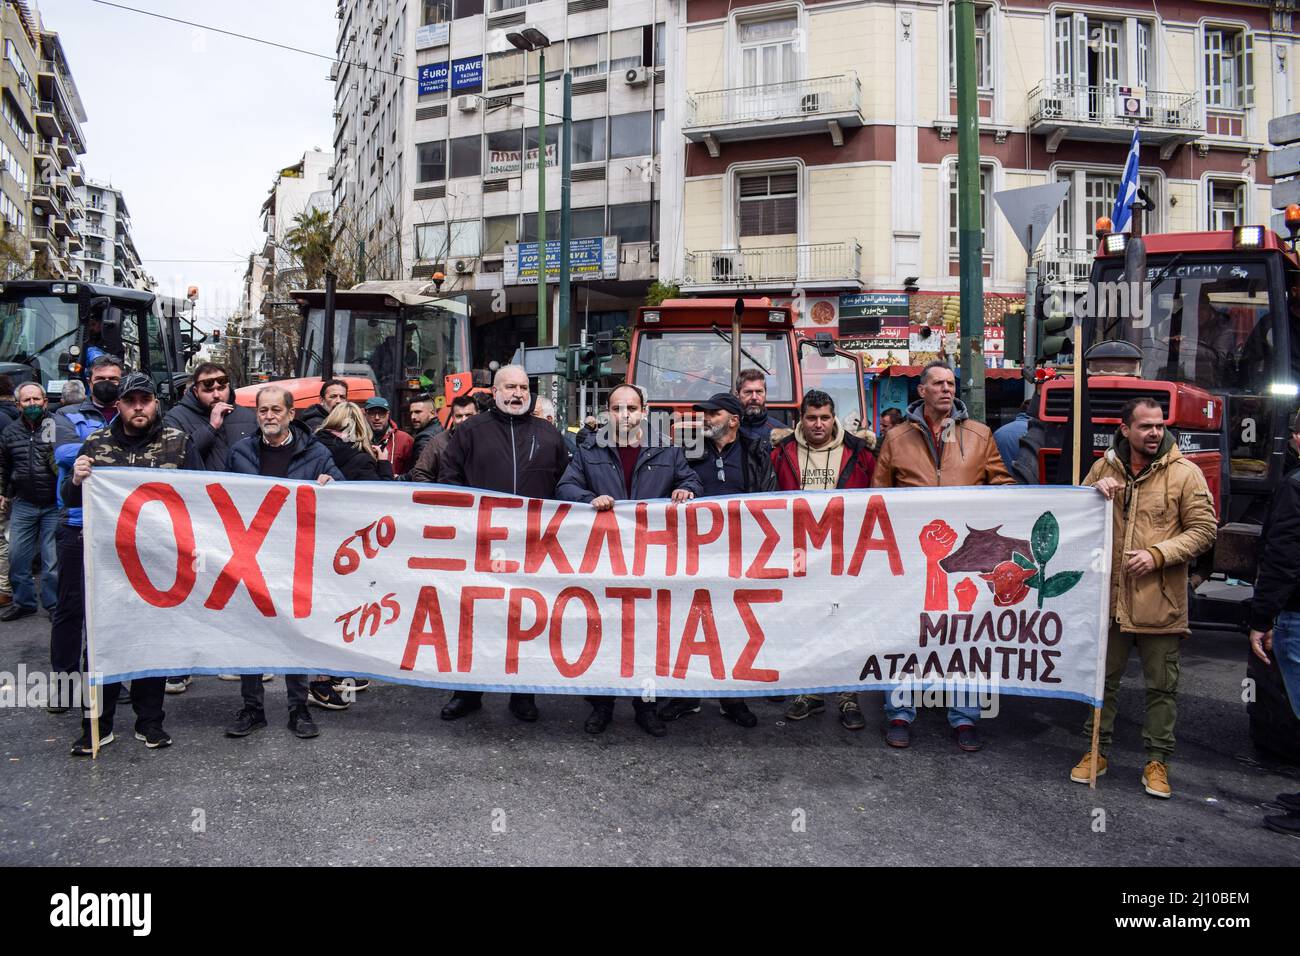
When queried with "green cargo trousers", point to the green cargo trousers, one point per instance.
{"points": [[1159, 654]]}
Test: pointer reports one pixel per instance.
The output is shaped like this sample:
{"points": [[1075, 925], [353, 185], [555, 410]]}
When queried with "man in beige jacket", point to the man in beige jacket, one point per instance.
{"points": [[936, 445], [1163, 518]]}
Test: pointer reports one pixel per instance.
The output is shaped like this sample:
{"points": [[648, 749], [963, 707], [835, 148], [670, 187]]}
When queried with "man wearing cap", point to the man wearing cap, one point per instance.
{"points": [[394, 445], [728, 462], [138, 438]]}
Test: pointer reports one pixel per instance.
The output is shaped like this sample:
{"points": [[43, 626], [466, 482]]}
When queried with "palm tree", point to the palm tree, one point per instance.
{"points": [[311, 242]]}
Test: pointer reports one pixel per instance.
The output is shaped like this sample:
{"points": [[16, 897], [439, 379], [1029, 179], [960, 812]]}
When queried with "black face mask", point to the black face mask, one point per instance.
{"points": [[104, 393]]}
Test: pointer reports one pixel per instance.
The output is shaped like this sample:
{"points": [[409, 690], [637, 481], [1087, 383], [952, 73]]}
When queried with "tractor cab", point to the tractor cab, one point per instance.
{"points": [[51, 331], [383, 338], [681, 353]]}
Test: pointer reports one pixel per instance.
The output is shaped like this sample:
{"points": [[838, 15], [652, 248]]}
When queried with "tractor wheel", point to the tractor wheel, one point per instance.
{"points": [[1025, 468]]}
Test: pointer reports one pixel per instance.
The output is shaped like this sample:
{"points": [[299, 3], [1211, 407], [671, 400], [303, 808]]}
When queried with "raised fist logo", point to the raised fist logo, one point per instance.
{"points": [[937, 541]]}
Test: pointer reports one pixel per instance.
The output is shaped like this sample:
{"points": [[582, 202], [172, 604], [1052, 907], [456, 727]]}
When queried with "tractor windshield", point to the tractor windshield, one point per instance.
{"points": [[1206, 323], [689, 366], [35, 331]]}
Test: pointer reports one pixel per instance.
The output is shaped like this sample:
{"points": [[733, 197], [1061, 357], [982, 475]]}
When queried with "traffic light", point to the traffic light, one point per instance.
{"points": [[1053, 326], [586, 364], [1013, 334], [216, 336]]}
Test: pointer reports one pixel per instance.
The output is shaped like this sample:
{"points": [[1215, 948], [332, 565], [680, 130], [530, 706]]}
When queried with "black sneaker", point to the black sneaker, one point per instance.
{"points": [[649, 721], [599, 720], [323, 694], [154, 737], [301, 724], [358, 684], [738, 711], [1288, 801], [246, 721], [82, 748], [679, 707], [177, 685], [15, 611], [851, 714]]}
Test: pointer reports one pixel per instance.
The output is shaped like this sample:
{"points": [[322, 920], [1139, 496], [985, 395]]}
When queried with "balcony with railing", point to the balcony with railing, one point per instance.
{"points": [[829, 103], [1065, 268], [807, 265], [1109, 113]]}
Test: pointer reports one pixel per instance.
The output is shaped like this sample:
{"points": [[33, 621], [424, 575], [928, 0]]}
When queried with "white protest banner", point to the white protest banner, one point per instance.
{"points": [[197, 573]]}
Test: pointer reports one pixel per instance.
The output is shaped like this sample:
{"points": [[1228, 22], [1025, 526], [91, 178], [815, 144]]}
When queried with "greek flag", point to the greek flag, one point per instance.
{"points": [[1128, 187]]}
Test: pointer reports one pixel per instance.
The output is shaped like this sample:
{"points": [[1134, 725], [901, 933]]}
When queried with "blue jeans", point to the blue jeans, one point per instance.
{"points": [[1286, 652], [957, 716], [28, 525]]}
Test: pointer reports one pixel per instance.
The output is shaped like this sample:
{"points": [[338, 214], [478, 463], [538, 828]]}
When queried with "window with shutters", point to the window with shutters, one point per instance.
{"points": [[986, 195], [1226, 206], [983, 47], [1229, 55], [768, 203]]}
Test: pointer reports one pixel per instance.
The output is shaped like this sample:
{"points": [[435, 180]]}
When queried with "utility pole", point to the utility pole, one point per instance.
{"points": [[541, 196], [969, 213], [562, 329]]}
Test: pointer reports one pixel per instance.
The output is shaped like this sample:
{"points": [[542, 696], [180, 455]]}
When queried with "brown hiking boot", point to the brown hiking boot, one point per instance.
{"points": [[1155, 780], [1082, 771]]}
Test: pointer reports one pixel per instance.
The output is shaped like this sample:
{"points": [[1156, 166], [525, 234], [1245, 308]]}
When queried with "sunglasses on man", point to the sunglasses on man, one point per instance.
{"points": [[212, 384]]}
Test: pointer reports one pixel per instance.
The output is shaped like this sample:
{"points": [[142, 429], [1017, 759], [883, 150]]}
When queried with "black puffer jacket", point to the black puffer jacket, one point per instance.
{"points": [[313, 417], [9, 412], [212, 445], [355, 464], [515, 454], [27, 468]]}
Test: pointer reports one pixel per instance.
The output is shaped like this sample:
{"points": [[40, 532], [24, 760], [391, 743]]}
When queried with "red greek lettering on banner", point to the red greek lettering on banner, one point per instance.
{"points": [[124, 541]]}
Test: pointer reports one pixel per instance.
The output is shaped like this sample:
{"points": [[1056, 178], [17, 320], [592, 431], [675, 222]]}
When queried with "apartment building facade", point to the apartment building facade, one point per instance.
{"points": [[821, 149], [18, 98], [437, 142], [108, 254], [272, 271]]}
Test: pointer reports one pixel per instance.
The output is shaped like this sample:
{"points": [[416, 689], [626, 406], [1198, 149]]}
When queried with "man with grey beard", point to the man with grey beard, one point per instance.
{"points": [[729, 463]]}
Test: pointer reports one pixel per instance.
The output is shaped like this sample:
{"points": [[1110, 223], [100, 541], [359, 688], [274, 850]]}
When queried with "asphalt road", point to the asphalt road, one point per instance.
{"points": [[387, 782]]}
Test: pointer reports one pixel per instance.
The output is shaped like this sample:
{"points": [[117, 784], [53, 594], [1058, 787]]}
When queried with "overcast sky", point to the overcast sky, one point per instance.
{"points": [[192, 125]]}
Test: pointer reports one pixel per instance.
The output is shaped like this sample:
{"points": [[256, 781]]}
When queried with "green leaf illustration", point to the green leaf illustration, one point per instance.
{"points": [[1061, 582], [1036, 580], [1045, 537], [1023, 561]]}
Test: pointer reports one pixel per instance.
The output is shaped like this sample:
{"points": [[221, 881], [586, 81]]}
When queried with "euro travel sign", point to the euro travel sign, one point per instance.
{"points": [[433, 78], [591, 258], [1000, 588]]}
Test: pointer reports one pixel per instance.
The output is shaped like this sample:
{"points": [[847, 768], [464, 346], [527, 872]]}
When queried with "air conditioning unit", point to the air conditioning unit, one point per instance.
{"points": [[334, 71], [377, 29], [374, 99], [338, 112], [654, 252], [811, 103], [467, 104], [726, 267], [464, 266], [637, 76], [329, 173]]}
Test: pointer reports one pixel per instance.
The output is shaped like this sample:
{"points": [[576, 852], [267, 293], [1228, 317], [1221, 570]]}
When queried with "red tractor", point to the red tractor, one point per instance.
{"points": [[685, 350], [1208, 325]]}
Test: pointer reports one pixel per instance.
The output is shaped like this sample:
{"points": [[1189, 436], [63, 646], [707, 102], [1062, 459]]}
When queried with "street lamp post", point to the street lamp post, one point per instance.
{"points": [[530, 39]]}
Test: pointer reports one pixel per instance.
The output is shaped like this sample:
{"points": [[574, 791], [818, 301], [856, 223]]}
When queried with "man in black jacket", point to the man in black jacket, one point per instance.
{"points": [[424, 422], [730, 463], [333, 392], [213, 423], [208, 415], [505, 449], [621, 468], [27, 480], [137, 438], [8, 413], [1275, 614]]}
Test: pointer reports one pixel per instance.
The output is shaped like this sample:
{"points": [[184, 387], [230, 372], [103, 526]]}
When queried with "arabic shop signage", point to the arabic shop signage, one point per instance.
{"points": [[866, 313], [592, 258]]}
